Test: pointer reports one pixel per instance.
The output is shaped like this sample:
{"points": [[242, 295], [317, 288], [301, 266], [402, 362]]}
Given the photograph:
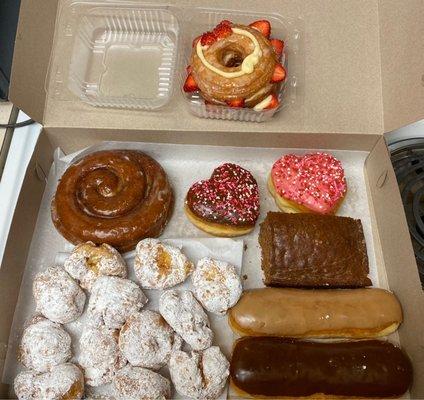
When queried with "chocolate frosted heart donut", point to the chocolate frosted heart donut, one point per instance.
{"points": [[116, 197], [227, 204]]}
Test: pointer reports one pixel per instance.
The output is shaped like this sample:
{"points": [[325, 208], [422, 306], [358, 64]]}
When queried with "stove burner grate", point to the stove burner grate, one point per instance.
{"points": [[408, 163]]}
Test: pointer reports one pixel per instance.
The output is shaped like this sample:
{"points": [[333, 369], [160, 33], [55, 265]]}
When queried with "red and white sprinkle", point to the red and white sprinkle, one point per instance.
{"points": [[230, 196], [316, 181]]}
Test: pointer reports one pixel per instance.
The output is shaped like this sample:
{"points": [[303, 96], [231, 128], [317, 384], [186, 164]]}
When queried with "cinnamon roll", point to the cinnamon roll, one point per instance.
{"points": [[116, 197]]}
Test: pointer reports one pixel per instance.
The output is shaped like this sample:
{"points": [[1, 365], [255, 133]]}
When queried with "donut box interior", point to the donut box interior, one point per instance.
{"points": [[346, 100]]}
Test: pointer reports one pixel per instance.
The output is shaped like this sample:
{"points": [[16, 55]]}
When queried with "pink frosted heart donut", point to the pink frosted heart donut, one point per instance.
{"points": [[311, 183]]}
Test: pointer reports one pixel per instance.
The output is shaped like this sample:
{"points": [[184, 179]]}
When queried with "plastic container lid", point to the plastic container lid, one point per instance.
{"points": [[123, 55]]}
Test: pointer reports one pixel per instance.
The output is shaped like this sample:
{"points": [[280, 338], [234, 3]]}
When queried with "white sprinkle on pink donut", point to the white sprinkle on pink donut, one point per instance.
{"points": [[315, 181]]}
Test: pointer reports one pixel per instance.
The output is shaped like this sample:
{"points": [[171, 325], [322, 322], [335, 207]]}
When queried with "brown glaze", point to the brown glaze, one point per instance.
{"points": [[116, 197], [270, 366], [219, 89], [313, 251], [355, 313]]}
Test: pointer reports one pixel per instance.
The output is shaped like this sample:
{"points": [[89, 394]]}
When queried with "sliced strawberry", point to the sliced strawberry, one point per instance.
{"points": [[190, 84], [274, 102], [278, 46], [195, 40], [262, 26], [236, 103], [279, 74], [208, 38], [225, 22], [222, 30]]}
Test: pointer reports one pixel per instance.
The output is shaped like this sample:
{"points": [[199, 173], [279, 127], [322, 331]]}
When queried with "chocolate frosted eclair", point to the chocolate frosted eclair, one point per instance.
{"points": [[313, 251], [226, 204], [271, 367], [349, 313]]}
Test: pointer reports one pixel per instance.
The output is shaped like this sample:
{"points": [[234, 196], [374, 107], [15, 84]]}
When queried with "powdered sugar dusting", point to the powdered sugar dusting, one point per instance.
{"points": [[89, 396], [146, 340], [58, 297], [87, 262], [186, 316], [53, 385], [100, 355], [160, 266], [199, 375], [113, 300], [315, 180], [44, 344], [97, 397], [135, 383], [216, 284]]}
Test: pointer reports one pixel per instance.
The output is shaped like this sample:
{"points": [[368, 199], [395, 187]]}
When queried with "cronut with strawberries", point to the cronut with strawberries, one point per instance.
{"points": [[219, 70]]}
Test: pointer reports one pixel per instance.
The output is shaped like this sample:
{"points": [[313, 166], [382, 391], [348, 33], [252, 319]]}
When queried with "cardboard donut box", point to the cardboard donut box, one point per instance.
{"points": [[361, 75]]}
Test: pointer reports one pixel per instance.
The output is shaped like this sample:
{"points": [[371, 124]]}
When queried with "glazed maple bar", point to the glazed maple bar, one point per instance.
{"points": [[313, 251]]}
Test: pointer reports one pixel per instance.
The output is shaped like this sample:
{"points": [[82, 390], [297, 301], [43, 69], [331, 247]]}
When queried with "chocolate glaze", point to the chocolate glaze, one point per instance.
{"points": [[116, 197], [229, 197], [311, 250], [270, 366]]}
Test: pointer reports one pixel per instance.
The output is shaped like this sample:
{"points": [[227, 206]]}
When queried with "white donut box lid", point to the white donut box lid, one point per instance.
{"points": [[363, 77]]}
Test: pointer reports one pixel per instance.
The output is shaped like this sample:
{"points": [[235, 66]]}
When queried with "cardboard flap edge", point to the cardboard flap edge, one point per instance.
{"points": [[31, 57]]}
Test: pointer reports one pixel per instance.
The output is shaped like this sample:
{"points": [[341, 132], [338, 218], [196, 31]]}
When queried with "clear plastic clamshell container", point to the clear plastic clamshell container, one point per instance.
{"points": [[132, 55], [123, 55]]}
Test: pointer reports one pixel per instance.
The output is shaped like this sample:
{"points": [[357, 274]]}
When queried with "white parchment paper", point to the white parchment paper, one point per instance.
{"points": [[186, 164]]}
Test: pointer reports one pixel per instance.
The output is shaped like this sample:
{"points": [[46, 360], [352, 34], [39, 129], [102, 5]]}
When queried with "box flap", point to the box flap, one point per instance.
{"points": [[397, 256], [31, 59], [371, 84], [18, 243], [402, 61]]}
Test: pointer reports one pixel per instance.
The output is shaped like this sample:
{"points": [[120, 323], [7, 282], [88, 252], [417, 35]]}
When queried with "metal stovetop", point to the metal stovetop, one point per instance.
{"points": [[408, 162]]}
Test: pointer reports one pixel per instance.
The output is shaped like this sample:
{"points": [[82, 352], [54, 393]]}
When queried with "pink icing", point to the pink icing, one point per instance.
{"points": [[315, 181]]}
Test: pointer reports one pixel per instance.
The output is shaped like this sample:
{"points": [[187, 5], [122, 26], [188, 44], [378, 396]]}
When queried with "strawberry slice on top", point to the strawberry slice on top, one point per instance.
{"points": [[262, 26], [223, 30], [274, 103], [236, 103], [190, 84], [208, 38], [279, 74], [278, 46]]}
